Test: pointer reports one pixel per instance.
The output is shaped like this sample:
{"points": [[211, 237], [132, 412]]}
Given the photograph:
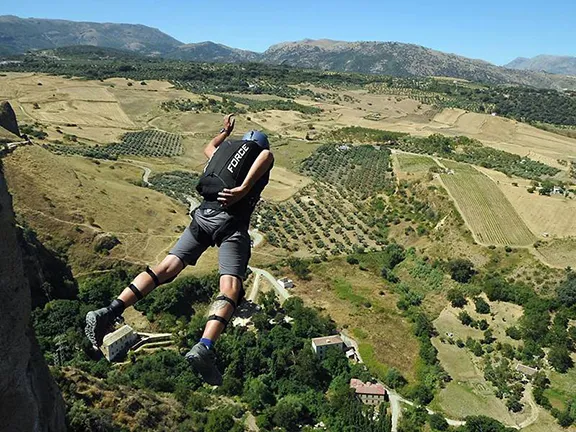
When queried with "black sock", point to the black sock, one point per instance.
{"points": [[117, 307]]}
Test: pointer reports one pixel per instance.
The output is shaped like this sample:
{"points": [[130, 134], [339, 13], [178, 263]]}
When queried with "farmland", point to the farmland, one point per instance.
{"points": [[363, 169], [414, 163], [149, 143], [490, 216], [320, 219]]}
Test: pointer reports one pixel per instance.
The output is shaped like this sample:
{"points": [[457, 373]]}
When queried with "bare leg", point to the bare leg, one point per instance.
{"points": [[230, 286], [171, 266], [100, 322]]}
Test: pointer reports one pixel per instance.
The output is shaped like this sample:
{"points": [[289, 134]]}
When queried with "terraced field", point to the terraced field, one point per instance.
{"points": [[488, 213], [414, 163]]}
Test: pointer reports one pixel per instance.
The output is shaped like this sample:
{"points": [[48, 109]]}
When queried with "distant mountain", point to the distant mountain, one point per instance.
{"points": [[19, 35], [212, 52], [401, 59], [563, 65]]}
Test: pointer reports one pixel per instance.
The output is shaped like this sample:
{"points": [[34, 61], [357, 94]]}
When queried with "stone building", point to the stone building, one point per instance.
{"points": [[368, 393], [321, 345], [117, 343]]}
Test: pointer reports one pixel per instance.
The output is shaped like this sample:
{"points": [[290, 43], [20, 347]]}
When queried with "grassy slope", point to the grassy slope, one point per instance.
{"points": [[344, 290]]}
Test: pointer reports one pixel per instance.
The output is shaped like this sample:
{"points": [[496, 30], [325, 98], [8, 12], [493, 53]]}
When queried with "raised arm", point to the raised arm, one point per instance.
{"points": [[219, 139], [260, 166]]}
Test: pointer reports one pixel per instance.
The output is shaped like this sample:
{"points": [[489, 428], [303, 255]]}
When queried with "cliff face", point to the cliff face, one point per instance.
{"points": [[8, 118], [29, 399]]}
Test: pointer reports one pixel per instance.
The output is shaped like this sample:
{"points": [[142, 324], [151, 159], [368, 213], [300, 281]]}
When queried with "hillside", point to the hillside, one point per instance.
{"points": [[401, 59], [20, 35], [564, 65], [212, 52]]}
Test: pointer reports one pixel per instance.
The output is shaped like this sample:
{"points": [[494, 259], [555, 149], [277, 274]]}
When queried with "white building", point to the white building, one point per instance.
{"points": [[119, 342], [286, 283], [321, 345], [368, 393]]}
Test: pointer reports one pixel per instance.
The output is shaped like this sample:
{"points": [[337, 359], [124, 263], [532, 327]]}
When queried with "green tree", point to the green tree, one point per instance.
{"points": [[288, 413], [336, 362], [566, 291], [456, 298], [393, 255], [514, 333], [438, 422], [219, 420], [559, 358], [483, 424], [394, 379], [461, 270], [481, 306], [465, 318], [257, 394]]}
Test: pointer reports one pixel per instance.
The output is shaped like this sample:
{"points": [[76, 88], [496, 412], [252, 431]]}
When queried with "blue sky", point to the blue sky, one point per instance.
{"points": [[497, 31]]}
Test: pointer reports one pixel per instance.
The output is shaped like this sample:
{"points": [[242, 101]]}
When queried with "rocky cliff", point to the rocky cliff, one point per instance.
{"points": [[29, 399], [8, 118]]}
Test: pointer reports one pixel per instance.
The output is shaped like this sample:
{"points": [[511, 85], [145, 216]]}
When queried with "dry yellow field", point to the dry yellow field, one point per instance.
{"points": [[505, 315], [546, 216], [6, 136], [560, 253], [71, 198]]}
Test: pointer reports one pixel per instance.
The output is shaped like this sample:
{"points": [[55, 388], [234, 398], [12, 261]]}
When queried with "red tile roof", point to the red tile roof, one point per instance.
{"points": [[367, 388]]}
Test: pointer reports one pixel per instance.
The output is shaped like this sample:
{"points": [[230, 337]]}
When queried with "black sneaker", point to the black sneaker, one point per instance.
{"points": [[203, 361], [98, 324]]}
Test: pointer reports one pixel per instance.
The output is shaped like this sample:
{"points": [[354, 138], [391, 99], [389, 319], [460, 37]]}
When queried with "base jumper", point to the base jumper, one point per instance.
{"points": [[234, 177]]}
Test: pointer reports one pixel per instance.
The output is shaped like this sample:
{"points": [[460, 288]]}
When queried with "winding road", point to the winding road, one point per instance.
{"points": [[282, 292]]}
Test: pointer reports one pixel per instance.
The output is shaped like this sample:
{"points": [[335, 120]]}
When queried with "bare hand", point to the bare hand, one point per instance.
{"points": [[229, 122], [231, 196]]}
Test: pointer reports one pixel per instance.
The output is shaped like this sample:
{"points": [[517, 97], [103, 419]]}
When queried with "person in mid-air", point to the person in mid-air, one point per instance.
{"points": [[234, 177]]}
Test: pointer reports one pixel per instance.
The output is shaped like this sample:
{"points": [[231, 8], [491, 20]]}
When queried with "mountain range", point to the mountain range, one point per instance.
{"points": [[18, 35], [563, 65]]}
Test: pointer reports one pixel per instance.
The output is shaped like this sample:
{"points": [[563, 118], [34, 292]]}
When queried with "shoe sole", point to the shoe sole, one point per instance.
{"points": [[194, 361], [90, 329]]}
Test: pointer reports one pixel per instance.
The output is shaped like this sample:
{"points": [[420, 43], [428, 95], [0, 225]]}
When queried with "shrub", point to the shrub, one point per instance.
{"points": [[456, 298], [461, 270], [481, 306], [465, 318]]}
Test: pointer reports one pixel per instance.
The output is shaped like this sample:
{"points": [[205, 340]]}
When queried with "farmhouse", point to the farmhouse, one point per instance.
{"points": [[526, 370], [119, 342], [286, 283], [321, 345], [368, 393]]}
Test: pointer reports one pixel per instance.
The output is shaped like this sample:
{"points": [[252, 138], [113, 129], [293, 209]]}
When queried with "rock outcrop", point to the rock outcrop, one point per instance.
{"points": [[30, 401], [8, 118]]}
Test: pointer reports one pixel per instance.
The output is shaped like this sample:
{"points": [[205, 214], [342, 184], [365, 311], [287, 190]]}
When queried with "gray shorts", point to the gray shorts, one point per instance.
{"points": [[234, 250]]}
